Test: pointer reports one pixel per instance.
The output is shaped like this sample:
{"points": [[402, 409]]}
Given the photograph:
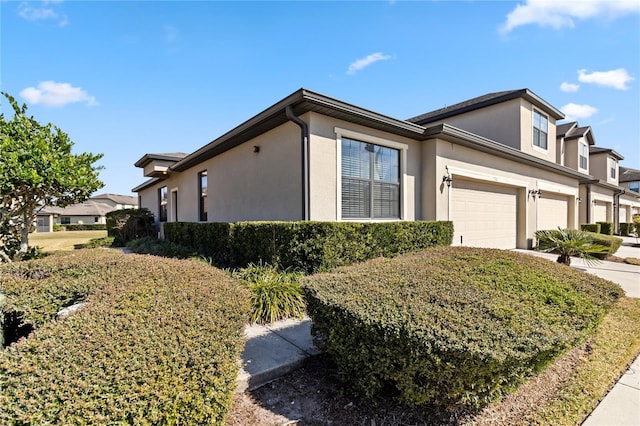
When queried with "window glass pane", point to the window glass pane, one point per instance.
{"points": [[356, 198], [386, 200], [202, 188], [162, 208], [387, 164], [356, 158]]}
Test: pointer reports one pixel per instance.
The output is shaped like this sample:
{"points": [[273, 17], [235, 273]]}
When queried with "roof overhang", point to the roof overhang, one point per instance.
{"points": [[471, 140]]}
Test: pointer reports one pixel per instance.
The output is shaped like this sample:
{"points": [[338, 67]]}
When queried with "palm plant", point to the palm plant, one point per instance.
{"points": [[570, 242]]}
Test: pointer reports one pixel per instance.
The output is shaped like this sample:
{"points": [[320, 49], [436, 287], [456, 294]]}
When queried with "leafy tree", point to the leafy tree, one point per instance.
{"points": [[37, 169], [570, 242]]}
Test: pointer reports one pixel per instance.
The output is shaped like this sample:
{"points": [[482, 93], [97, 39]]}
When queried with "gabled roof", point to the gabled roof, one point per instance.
{"points": [[116, 198], [300, 102], [600, 150], [563, 128], [88, 208], [628, 174], [485, 101]]}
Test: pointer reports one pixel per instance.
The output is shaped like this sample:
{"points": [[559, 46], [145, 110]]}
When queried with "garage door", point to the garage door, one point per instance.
{"points": [[600, 212], [553, 211], [483, 215], [623, 214]]}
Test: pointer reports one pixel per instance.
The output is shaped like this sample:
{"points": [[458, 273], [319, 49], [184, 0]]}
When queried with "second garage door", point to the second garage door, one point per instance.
{"points": [[553, 211], [484, 215]]}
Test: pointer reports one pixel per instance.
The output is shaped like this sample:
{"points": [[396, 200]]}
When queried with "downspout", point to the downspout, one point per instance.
{"points": [[304, 141], [588, 187]]}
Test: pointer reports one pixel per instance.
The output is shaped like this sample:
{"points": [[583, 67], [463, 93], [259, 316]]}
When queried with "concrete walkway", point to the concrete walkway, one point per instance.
{"points": [[275, 350]]}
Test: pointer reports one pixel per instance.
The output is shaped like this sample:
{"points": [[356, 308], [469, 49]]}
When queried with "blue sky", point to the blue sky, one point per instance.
{"points": [[129, 78]]}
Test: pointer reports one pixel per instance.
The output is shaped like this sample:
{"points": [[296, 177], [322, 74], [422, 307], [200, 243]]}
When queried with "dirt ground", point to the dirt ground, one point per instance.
{"points": [[313, 396]]}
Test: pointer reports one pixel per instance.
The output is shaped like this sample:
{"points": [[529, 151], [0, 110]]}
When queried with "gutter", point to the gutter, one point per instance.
{"points": [[616, 209], [304, 142]]}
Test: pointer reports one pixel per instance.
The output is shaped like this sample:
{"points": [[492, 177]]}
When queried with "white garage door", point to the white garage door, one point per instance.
{"points": [[553, 211], [623, 214], [599, 212], [483, 215]]}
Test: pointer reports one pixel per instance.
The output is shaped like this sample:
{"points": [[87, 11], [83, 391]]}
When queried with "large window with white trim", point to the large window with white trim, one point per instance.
{"points": [[162, 204], [540, 129], [370, 181]]}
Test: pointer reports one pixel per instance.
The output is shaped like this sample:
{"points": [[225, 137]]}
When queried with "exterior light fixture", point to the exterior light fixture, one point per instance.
{"points": [[447, 179], [579, 200], [256, 149], [535, 193]]}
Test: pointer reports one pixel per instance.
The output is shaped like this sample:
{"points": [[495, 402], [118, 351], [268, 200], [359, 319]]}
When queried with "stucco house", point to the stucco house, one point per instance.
{"points": [[495, 165], [92, 211]]}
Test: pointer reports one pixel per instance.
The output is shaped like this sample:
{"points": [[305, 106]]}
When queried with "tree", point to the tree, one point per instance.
{"points": [[570, 242], [37, 169]]}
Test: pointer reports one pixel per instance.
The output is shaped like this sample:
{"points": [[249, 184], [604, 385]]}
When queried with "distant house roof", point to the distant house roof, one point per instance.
{"points": [[485, 101], [116, 198], [628, 175], [563, 128], [88, 208], [600, 150]]}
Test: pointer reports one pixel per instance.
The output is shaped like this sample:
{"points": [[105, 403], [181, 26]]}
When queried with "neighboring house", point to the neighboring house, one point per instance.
{"points": [[491, 164], [92, 211], [630, 179]]}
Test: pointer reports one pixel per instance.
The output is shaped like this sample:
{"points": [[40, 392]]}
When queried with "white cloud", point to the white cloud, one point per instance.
{"points": [[569, 87], [51, 93], [563, 13], [45, 11], [616, 79], [575, 111], [365, 62]]}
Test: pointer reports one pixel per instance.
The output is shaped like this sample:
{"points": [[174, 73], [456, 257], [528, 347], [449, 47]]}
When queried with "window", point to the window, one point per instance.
{"points": [[540, 129], [65, 220], [583, 156], [613, 171], [634, 186], [174, 204], [202, 190], [370, 181], [96, 219], [162, 204]]}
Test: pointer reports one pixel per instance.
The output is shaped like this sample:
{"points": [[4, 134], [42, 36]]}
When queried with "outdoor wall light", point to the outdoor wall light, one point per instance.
{"points": [[595, 201], [256, 149], [579, 200], [535, 193], [447, 179]]}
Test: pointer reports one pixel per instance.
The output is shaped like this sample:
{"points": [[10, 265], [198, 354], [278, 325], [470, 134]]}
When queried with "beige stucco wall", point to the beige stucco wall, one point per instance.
{"points": [[510, 123], [572, 155], [470, 164], [600, 165], [324, 166], [82, 220]]}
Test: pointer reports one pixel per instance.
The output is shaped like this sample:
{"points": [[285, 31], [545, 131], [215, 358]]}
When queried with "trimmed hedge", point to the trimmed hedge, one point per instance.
{"points": [[129, 224], [626, 228], [610, 241], [606, 228], [590, 227], [308, 246], [452, 326], [85, 227], [156, 343]]}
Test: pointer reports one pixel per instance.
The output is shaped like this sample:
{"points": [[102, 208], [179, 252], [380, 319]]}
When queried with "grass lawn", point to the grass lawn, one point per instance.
{"points": [[64, 240]]}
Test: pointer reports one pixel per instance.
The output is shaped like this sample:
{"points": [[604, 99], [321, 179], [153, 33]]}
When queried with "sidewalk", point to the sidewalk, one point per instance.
{"points": [[275, 350]]}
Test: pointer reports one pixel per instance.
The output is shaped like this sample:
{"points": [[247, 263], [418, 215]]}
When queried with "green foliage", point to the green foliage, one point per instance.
{"points": [[591, 227], [612, 243], [129, 224], [570, 242], [275, 295], [37, 168], [306, 246], [606, 228], [452, 326], [626, 228], [149, 245], [156, 342], [85, 227], [99, 242]]}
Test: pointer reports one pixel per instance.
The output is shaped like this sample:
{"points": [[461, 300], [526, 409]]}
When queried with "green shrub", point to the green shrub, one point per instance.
{"points": [[156, 247], [59, 228], [275, 295], [570, 242], [610, 241], [85, 227], [99, 242], [129, 224], [591, 227], [626, 228], [307, 246], [606, 228], [450, 326], [156, 343], [3, 300]]}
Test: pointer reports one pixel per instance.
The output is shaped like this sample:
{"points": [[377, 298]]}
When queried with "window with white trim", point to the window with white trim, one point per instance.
{"points": [[613, 170], [540, 129], [202, 201], [584, 155], [370, 180]]}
